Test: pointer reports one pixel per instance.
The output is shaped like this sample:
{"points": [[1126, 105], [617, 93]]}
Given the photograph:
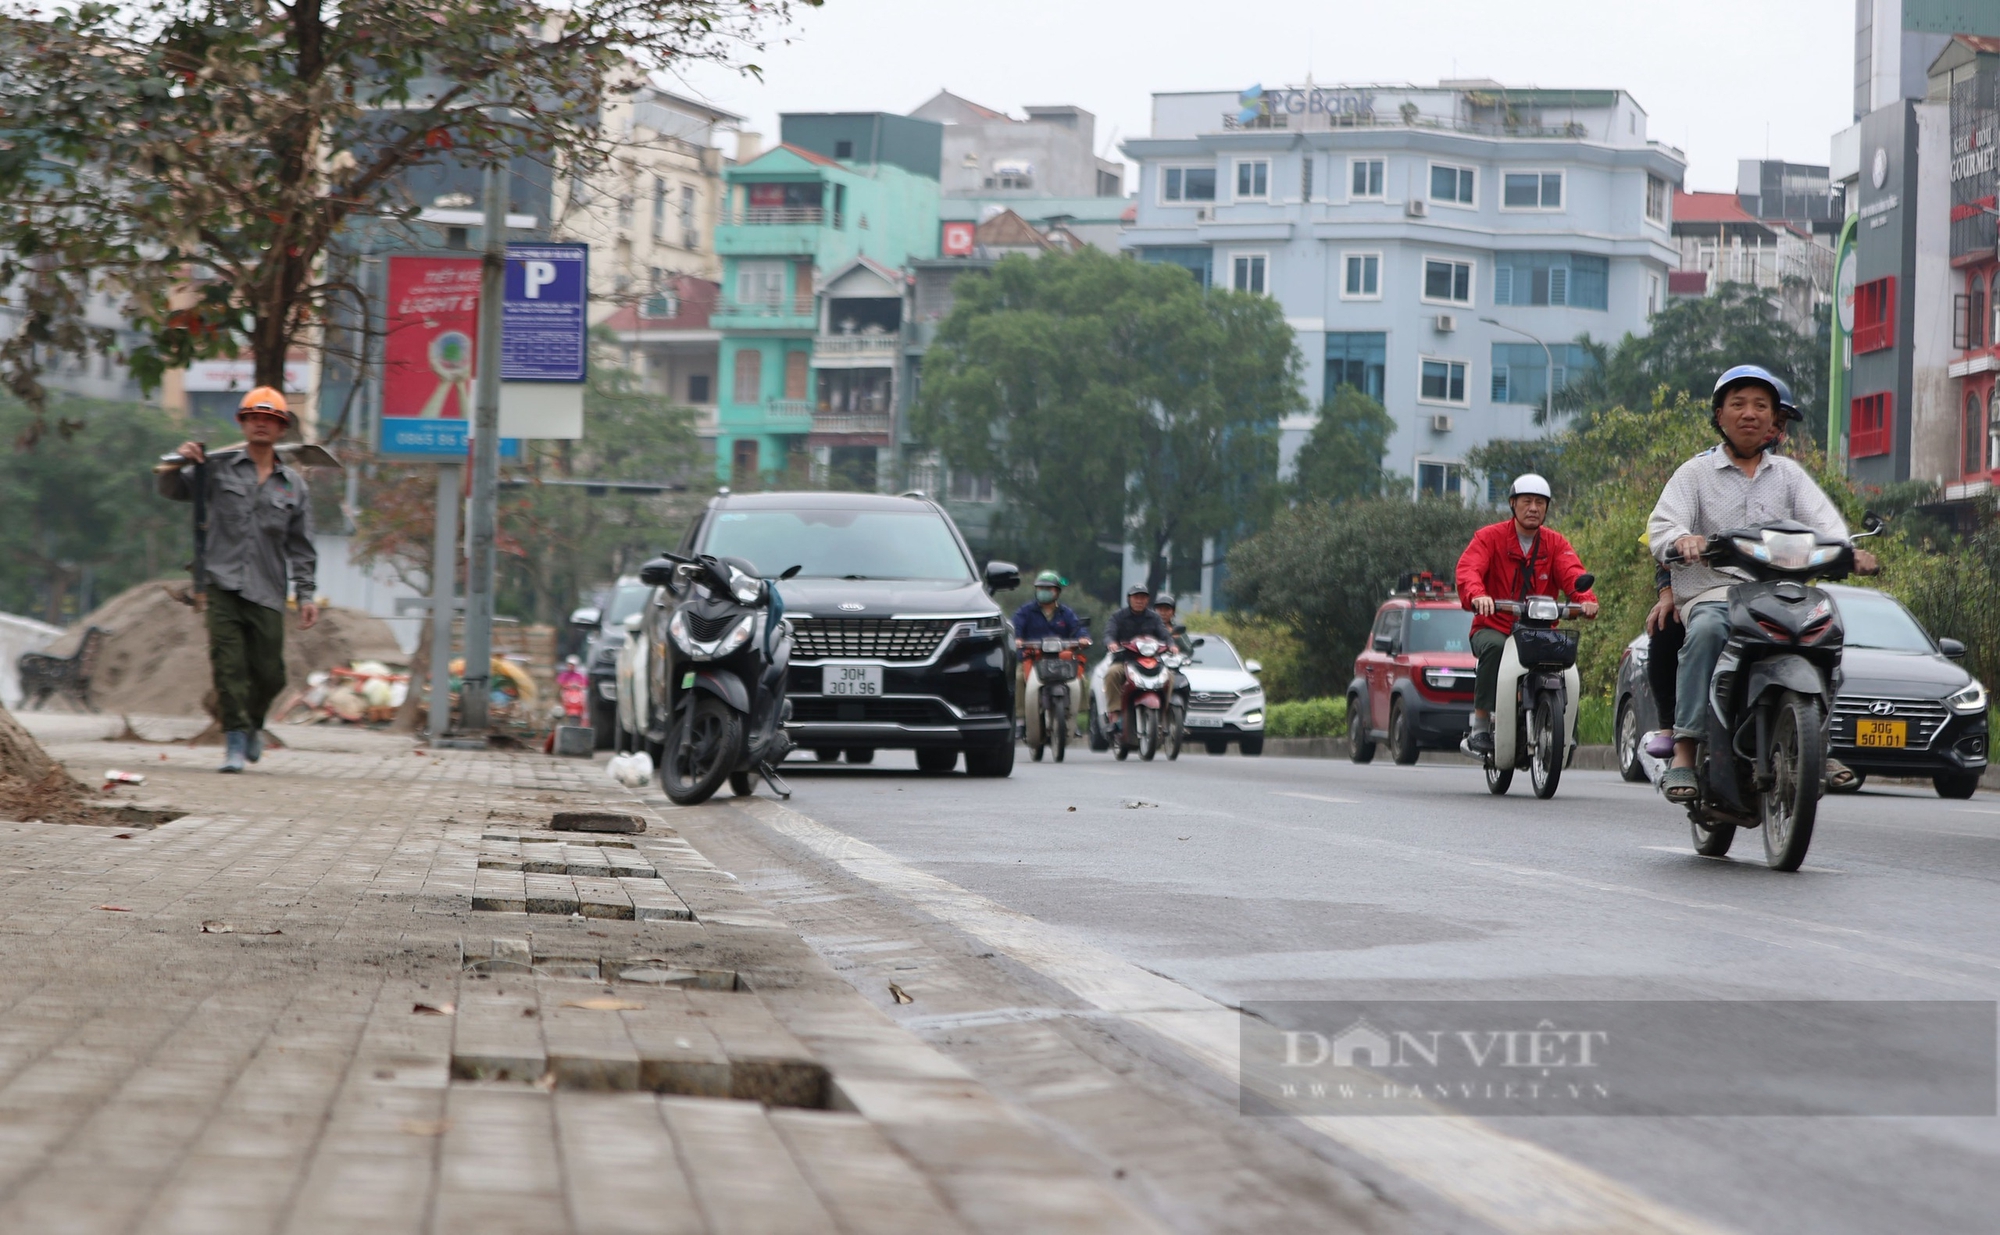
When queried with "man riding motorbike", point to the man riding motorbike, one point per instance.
{"points": [[1137, 618], [1511, 560], [1742, 484], [1041, 618], [1165, 605]]}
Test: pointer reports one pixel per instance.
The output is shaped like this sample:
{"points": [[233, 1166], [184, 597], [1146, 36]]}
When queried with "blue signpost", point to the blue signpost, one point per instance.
{"points": [[544, 322]]}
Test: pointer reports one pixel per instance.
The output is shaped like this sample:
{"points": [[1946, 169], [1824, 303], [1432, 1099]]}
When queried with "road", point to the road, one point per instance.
{"points": [[1078, 936]]}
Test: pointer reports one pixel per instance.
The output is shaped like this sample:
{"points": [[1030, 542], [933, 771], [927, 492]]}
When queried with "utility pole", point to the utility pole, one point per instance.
{"points": [[444, 570], [485, 462]]}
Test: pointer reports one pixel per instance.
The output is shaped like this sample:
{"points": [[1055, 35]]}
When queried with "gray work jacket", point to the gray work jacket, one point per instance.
{"points": [[259, 535]]}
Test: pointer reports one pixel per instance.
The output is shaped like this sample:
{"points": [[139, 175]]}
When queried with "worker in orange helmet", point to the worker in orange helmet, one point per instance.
{"points": [[259, 547]]}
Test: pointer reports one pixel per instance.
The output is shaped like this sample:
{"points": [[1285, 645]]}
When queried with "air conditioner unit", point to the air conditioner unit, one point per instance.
{"points": [[1447, 322], [1441, 424], [1204, 214], [1417, 208]]}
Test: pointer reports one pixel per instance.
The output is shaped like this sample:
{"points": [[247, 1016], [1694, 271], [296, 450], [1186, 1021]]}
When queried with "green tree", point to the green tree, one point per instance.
{"points": [[1341, 459], [1110, 400], [195, 161], [1324, 570]]}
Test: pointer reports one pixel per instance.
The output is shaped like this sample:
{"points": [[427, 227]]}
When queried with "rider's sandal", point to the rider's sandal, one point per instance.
{"points": [[1839, 775], [1679, 785]]}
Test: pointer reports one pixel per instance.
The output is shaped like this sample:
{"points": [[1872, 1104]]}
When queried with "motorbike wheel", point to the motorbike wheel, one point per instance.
{"points": [[1099, 739], [707, 743], [1176, 735], [1798, 769], [1545, 769], [1360, 747], [1712, 840], [1148, 721], [1059, 716], [1629, 764], [1498, 780], [741, 784]]}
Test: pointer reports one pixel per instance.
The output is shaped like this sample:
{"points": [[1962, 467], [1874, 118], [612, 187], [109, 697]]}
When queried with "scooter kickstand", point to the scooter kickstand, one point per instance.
{"points": [[772, 779]]}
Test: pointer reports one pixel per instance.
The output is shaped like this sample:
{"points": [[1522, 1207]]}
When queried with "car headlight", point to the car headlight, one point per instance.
{"points": [[1249, 692], [747, 589], [1971, 699], [1441, 679]]}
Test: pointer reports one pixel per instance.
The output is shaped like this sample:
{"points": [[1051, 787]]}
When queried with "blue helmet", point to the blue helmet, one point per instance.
{"points": [[1787, 410]]}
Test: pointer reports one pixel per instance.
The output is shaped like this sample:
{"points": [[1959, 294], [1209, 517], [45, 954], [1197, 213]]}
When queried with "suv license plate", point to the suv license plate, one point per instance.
{"points": [[1196, 720], [1879, 733], [852, 681]]}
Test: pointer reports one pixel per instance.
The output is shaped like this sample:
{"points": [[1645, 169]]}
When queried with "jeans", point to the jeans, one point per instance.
{"points": [[1488, 645], [1707, 632], [1663, 667]]}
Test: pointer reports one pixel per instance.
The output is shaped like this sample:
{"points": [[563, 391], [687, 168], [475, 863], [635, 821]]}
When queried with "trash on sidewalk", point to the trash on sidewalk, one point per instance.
{"points": [[434, 1009], [632, 771], [217, 927], [113, 776], [900, 995]]}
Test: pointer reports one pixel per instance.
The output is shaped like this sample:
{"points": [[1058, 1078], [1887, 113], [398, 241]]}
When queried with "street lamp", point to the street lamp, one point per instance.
{"points": [[1549, 373]]}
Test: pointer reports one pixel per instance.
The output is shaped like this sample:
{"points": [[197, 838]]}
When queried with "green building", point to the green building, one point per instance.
{"points": [[816, 239]]}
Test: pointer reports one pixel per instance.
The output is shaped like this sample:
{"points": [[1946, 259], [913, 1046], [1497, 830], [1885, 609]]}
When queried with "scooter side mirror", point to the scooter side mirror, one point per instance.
{"points": [[658, 572], [1586, 581], [790, 571], [1872, 523], [589, 617]]}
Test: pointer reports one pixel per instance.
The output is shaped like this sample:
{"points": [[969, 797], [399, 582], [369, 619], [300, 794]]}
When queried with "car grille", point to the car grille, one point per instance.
{"points": [[706, 629], [812, 709], [1212, 700], [1925, 717], [868, 638]]}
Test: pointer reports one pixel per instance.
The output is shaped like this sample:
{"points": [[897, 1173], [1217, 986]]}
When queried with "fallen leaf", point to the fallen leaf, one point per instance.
{"points": [[434, 1009], [1182, 838], [426, 1127], [598, 934], [121, 836], [1072, 810], [546, 1082], [605, 1003], [899, 994], [114, 909]]}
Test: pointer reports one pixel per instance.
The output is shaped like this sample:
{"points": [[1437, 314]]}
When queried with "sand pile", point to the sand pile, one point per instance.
{"points": [[155, 660]]}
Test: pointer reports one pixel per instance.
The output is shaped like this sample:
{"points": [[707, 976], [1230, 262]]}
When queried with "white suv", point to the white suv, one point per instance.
{"points": [[1226, 704]]}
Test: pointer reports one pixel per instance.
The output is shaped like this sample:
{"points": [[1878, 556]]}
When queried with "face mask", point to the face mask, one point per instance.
{"points": [[1045, 595]]}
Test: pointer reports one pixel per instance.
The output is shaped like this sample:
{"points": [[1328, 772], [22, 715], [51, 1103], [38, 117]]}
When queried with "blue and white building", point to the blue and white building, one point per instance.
{"points": [[1425, 242]]}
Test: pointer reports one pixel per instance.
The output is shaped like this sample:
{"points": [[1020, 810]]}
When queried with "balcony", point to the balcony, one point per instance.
{"points": [[777, 216], [796, 411], [855, 351], [872, 424], [794, 314], [774, 231]]}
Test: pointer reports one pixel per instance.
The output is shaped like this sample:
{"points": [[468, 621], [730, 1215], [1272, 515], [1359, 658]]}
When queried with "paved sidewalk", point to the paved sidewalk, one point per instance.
{"points": [[289, 1011]]}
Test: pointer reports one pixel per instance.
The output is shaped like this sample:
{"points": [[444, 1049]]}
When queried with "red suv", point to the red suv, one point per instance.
{"points": [[1412, 684]]}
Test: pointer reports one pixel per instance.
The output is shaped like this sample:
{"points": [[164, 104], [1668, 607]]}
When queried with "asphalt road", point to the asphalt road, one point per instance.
{"points": [[1246, 880]]}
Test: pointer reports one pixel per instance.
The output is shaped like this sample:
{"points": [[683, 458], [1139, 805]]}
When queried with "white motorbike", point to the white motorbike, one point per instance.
{"points": [[1535, 700]]}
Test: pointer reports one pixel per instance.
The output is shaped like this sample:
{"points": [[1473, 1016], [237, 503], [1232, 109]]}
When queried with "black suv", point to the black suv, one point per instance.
{"points": [[897, 642]]}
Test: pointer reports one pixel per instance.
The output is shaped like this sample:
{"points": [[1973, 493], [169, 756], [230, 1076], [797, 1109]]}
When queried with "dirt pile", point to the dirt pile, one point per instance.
{"points": [[34, 786], [155, 659]]}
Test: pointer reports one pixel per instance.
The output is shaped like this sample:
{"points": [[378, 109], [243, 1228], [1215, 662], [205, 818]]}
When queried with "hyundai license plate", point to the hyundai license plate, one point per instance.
{"points": [[1881, 733], [852, 681], [1196, 720]]}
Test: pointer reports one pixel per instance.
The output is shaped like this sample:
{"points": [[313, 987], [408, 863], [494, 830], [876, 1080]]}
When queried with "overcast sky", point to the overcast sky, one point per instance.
{"points": [[1715, 76]]}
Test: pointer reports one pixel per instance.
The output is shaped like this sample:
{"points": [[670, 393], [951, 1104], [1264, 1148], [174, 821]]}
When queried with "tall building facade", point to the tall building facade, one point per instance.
{"points": [[1439, 248]]}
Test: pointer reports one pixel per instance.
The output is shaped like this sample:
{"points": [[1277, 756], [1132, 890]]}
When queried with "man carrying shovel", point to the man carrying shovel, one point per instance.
{"points": [[259, 540]]}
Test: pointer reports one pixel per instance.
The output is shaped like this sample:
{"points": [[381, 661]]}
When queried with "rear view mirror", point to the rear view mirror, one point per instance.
{"points": [[1198, 642], [657, 573], [587, 618], [791, 571], [1253, 666], [1952, 648], [633, 623], [1002, 576], [1871, 522], [1381, 643], [1586, 581]]}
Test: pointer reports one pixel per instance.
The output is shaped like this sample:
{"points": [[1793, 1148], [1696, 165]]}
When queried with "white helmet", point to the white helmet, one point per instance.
{"points": [[1527, 484]]}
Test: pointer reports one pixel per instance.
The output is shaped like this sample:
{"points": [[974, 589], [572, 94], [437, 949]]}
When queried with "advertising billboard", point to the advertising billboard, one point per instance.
{"points": [[429, 357]]}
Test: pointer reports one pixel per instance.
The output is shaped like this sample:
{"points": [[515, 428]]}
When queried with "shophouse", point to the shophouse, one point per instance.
{"points": [[816, 239], [1437, 247]]}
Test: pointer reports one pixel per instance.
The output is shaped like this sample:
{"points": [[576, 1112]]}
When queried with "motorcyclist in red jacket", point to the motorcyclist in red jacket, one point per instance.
{"points": [[1512, 560]]}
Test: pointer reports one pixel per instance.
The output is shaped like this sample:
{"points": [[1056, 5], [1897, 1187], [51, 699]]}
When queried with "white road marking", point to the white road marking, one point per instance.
{"points": [[1315, 797], [1512, 1184]]}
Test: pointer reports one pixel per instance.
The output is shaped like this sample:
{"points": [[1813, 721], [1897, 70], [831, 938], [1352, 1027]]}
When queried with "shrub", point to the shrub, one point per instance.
{"points": [[1306, 718]]}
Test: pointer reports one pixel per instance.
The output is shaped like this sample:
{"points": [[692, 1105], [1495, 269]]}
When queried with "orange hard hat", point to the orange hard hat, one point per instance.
{"points": [[265, 399]]}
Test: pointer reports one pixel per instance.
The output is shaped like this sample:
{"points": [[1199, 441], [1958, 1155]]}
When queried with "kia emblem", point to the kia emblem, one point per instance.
{"points": [[1883, 707], [850, 607]]}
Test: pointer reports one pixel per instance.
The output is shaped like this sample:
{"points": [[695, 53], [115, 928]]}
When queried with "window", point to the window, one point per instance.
{"points": [[1579, 280], [1447, 282], [690, 238], [797, 365], [1187, 184], [1656, 200], [843, 150], [1365, 178], [1441, 381], [1531, 191], [1521, 370], [1253, 179], [1868, 424], [760, 283], [1358, 359], [1306, 179], [625, 210], [1247, 273], [659, 208], [1440, 479], [697, 388], [1452, 185], [1875, 315], [1197, 260], [1974, 458], [749, 376], [1363, 278], [1652, 294], [1993, 307], [964, 486]]}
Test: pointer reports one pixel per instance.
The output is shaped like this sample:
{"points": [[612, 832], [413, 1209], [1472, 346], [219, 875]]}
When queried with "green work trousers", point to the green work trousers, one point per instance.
{"points": [[1488, 645], [246, 654]]}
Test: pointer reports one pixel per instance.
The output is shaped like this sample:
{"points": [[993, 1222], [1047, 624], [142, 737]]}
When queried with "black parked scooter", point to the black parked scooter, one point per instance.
{"points": [[726, 692], [1763, 761]]}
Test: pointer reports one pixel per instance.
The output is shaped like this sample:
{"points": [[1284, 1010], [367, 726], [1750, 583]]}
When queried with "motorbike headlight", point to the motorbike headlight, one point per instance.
{"points": [[747, 589], [1971, 699], [738, 635], [1542, 609], [677, 627]]}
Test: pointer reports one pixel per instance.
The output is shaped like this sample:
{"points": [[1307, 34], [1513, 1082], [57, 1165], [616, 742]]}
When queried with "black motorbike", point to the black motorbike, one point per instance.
{"points": [[1762, 762], [726, 692]]}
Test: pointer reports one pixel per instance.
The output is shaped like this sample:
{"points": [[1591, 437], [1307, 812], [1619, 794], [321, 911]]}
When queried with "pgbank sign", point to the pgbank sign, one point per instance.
{"points": [[1312, 101]]}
